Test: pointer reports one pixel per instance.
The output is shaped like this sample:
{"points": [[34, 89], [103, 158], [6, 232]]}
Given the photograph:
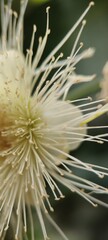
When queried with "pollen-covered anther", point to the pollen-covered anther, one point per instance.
{"points": [[99, 106], [91, 4], [101, 175], [61, 55], [84, 22], [57, 198], [62, 196], [15, 14], [30, 51], [47, 9], [49, 31], [81, 44], [34, 28]]}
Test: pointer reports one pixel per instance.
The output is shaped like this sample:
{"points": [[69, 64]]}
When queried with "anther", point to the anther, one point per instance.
{"points": [[47, 9], [34, 28], [84, 22], [91, 4], [81, 44]]}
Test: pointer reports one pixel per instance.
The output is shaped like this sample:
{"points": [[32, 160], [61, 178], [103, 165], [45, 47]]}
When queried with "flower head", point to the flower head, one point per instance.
{"points": [[37, 130]]}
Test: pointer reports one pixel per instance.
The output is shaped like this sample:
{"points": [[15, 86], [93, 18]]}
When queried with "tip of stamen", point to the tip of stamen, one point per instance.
{"points": [[57, 199], [34, 28], [84, 22], [89, 52], [16, 237], [89, 98], [52, 209], [40, 39], [15, 14], [47, 9], [99, 106], [91, 4], [81, 44], [95, 205], [48, 32], [62, 196], [101, 175], [6, 228], [61, 55], [53, 59], [100, 142]]}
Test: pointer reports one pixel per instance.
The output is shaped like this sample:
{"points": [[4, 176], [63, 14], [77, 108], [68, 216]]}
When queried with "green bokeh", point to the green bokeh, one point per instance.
{"points": [[39, 1]]}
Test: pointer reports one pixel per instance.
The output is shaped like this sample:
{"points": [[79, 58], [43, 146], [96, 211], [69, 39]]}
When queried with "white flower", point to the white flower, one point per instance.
{"points": [[38, 130]]}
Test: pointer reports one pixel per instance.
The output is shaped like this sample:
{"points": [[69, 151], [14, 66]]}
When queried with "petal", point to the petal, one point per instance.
{"points": [[11, 72], [65, 120]]}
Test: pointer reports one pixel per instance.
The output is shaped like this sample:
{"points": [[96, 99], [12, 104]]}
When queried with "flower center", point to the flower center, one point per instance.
{"points": [[20, 123]]}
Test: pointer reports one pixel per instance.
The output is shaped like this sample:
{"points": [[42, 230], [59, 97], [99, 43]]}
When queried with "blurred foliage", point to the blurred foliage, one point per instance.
{"points": [[84, 90], [39, 1]]}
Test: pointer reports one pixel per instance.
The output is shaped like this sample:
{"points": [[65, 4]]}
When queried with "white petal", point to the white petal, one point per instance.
{"points": [[65, 119], [11, 72]]}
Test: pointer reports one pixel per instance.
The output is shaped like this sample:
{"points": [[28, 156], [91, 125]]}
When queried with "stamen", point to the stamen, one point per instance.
{"points": [[57, 227], [98, 113], [42, 44], [14, 28], [55, 50], [31, 45], [42, 223], [31, 223]]}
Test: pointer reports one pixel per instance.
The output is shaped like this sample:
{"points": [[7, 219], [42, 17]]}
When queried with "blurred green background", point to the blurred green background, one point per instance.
{"points": [[78, 219]]}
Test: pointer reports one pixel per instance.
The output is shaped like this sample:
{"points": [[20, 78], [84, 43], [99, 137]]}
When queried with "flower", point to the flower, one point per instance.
{"points": [[38, 127]]}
